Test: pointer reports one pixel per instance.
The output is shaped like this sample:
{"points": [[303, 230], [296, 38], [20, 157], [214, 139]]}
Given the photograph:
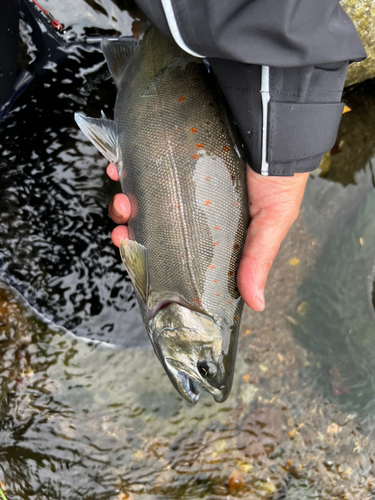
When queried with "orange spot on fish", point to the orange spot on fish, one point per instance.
{"points": [[193, 129], [195, 157], [236, 246], [216, 243], [230, 273], [208, 178], [218, 294], [236, 318], [217, 227], [200, 145], [211, 266], [226, 149], [181, 99], [236, 204], [206, 203], [229, 302], [215, 281], [197, 300]]}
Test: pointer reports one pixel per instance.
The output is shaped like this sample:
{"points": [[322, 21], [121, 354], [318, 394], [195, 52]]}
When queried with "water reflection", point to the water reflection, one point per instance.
{"points": [[355, 143], [54, 193], [81, 421], [337, 321], [84, 15]]}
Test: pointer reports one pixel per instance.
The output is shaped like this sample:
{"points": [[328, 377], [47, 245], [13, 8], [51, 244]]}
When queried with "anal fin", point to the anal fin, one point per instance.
{"points": [[134, 258]]}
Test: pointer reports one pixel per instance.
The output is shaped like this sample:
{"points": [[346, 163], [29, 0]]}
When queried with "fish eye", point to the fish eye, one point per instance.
{"points": [[207, 369]]}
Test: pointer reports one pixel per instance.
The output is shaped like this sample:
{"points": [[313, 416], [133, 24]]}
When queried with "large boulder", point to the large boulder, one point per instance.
{"points": [[362, 12]]}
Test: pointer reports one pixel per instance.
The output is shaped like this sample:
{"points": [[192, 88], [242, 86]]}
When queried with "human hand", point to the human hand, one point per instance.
{"points": [[274, 206], [119, 210]]}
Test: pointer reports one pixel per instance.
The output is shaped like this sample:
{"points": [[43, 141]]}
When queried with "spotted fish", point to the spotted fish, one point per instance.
{"points": [[174, 148]]}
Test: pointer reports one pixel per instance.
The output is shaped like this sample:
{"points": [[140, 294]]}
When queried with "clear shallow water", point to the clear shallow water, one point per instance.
{"points": [[338, 324], [81, 421]]}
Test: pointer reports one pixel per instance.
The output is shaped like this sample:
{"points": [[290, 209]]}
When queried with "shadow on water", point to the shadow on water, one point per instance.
{"points": [[80, 421]]}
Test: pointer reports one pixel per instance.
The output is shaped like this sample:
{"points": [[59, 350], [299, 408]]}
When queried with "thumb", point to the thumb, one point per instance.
{"points": [[273, 212], [262, 243]]}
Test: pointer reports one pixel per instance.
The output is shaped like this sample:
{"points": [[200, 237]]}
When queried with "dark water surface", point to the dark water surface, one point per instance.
{"points": [[83, 421], [54, 194]]}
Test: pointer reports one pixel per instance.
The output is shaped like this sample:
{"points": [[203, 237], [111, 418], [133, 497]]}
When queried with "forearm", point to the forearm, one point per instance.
{"points": [[291, 33], [288, 117], [280, 65]]}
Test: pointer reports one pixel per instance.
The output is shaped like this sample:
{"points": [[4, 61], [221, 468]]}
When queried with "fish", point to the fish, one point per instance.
{"points": [[177, 154]]}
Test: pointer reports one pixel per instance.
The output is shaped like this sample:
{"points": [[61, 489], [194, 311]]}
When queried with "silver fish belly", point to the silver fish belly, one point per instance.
{"points": [[173, 147]]}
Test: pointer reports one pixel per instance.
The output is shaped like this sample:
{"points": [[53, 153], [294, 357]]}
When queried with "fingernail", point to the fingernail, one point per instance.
{"points": [[115, 211], [260, 299]]}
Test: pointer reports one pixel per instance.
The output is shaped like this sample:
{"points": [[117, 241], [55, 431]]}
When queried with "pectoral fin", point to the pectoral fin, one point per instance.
{"points": [[103, 134], [134, 258]]}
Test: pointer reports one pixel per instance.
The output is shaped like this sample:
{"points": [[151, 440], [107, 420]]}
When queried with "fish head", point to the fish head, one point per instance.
{"points": [[195, 350]]}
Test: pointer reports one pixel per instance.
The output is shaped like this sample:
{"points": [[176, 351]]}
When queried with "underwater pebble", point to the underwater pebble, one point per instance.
{"points": [[236, 480]]}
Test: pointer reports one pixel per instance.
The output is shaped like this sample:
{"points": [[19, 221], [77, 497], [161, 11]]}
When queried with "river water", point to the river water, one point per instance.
{"points": [[86, 420]]}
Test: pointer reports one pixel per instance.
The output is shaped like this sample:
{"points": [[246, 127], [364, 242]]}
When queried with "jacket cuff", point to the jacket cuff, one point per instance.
{"points": [[288, 117]]}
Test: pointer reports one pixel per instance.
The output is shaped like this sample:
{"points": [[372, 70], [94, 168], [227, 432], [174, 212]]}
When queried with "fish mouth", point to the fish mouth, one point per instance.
{"points": [[187, 387]]}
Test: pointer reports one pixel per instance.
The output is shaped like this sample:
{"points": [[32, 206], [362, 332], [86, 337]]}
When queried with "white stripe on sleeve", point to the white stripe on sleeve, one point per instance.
{"points": [[265, 93], [172, 23]]}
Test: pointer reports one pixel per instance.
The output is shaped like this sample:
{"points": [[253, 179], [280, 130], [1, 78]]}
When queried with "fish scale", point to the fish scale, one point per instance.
{"points": [[185, 225], [173, 144]]}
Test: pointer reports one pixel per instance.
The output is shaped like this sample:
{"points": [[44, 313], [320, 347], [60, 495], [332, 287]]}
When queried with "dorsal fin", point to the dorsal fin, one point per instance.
{"points": [[118, 55]]}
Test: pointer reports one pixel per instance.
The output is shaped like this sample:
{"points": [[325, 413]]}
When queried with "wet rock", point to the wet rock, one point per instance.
{"points": [[296, 471], [362, 13], [338, 383], [329, 464], [303, 308], [124, 496], [236, 481], [268, 487], [260, 432], [300, 488], [333, 429], [248, 393], [308, 435]]}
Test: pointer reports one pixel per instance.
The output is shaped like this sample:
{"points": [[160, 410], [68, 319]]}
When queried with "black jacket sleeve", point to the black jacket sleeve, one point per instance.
{"points": [[281, 66]]}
